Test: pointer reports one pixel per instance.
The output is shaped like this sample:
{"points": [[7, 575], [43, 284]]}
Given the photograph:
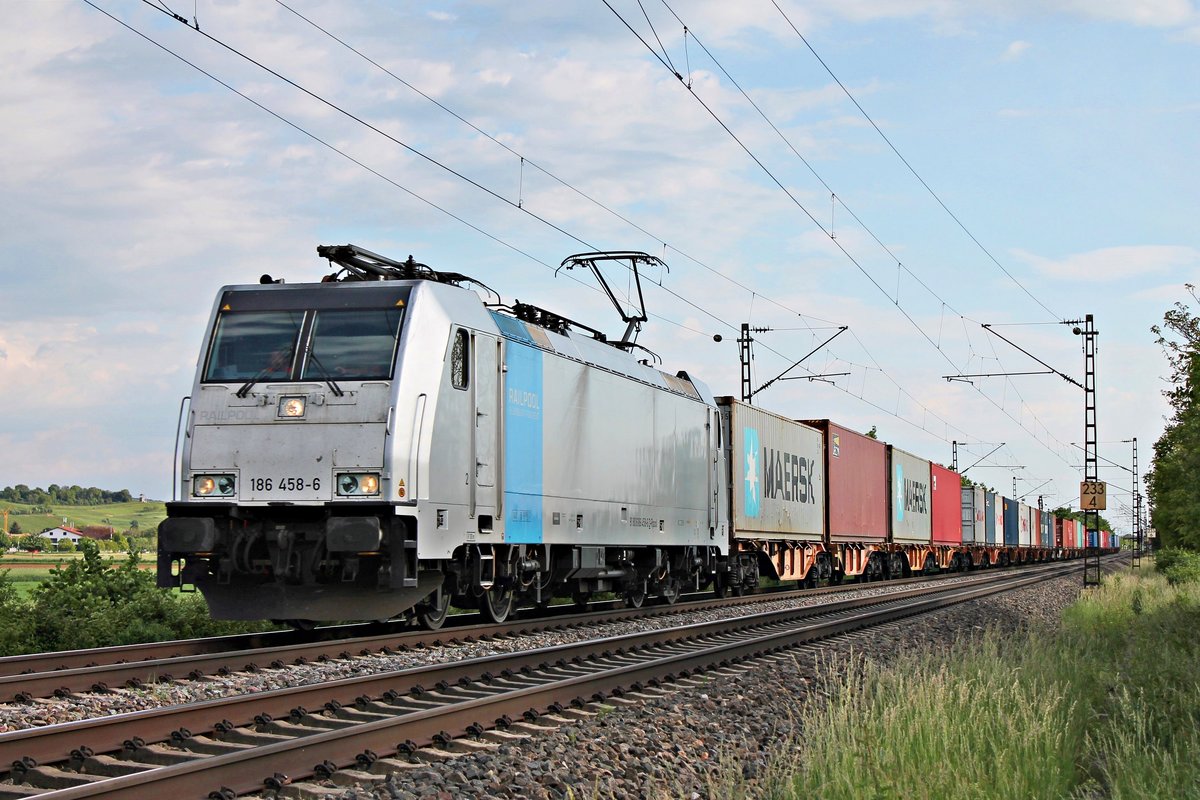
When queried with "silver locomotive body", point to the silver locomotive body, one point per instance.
{"points": [[360, 449]]}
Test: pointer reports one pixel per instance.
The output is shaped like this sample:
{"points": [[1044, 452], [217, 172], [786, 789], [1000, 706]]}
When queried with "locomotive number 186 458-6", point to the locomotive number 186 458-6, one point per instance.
{"points": [[284, 484]]}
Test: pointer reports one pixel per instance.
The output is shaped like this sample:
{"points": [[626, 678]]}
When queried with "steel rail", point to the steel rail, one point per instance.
{"points": [[457, 626], [99, 677], [462, 672]]}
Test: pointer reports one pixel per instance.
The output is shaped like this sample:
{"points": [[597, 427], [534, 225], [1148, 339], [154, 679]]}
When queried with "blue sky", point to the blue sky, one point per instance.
{"points": [[1061, 134]]}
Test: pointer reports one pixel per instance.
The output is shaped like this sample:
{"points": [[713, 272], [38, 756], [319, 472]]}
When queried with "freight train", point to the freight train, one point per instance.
{"points": [[385, 443]]}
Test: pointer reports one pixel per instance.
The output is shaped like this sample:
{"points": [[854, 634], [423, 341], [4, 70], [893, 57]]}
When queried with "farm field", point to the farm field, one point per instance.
{"points": [[120, 516]]}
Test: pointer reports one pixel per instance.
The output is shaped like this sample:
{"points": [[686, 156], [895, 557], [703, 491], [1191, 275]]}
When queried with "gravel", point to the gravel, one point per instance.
{"points": [[50, 711], [672, 746], [667, 744]]}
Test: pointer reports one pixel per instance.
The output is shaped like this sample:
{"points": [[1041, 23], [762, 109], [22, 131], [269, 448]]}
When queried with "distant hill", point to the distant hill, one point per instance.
{"points": [[64, 495], [120, 516]]}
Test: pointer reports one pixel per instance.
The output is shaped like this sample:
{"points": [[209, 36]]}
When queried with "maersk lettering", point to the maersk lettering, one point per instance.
{"points": [[916, 495], [788, 476]]}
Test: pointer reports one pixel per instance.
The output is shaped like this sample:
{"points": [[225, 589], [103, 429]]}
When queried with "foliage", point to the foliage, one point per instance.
{"points": [[15, 528], [31, 543], [67, 495], [1063, 512], [1179, 566], [1171, 482], [1105, 707], [91, 603], [873, 433]]}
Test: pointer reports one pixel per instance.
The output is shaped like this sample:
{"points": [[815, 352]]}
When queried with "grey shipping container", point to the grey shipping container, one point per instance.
{"points": [[912, 515], [778, 475], [974, 511]]}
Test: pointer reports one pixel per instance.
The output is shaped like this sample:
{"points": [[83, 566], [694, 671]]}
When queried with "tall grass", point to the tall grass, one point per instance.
{"points": [[1107, 706]]}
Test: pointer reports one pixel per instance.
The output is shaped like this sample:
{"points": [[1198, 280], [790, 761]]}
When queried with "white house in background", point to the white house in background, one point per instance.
{"points": [[61, 533]]}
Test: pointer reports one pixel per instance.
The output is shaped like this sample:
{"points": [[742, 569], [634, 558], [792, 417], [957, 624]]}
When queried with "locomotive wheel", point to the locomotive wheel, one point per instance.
{"points": [[670, 591], [496, 604], [432, 613], [297, 624], [635, 595]]}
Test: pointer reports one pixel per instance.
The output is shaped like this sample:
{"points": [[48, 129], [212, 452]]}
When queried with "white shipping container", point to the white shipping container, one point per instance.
{"points": [[1024, 524], [912, 512], [778, 481]]}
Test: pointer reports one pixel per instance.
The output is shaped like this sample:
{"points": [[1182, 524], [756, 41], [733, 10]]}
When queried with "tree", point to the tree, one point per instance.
{"points": [[31, 543], [14, 527], [1171, 486], [872, 434]]}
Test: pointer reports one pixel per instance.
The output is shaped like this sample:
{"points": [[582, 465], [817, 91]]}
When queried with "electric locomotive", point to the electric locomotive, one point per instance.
{"points": [[384, 442]]}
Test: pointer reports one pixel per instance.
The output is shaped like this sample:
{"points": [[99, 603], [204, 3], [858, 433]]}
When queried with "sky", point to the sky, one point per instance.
{"points": [[909, 169]]}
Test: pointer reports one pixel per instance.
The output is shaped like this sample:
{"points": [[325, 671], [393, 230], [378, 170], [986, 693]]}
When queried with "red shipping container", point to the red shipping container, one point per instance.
{"points": [[947, 505], [856, 484], [1058, 532]]}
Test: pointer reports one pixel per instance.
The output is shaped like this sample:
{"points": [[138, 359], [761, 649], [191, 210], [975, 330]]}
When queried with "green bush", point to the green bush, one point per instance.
{"points": [[1178, 566], [91, 603]]}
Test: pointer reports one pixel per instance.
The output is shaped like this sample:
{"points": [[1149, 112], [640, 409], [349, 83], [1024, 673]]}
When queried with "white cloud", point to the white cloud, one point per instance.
{"points": [[1015, 50], [1114, 263]]}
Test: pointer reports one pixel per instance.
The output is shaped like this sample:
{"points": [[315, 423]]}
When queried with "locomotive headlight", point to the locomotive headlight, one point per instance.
{"points": [[291, 407], [358, 484], [213, 485]]}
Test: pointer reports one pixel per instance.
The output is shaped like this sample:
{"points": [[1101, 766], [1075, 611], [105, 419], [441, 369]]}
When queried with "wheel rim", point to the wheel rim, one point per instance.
{"points": [[496, 604], [635, 595], [670, 591], [432, 613]]}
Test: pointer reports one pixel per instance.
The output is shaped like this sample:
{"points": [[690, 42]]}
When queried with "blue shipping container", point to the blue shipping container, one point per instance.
{"points": [[989, 528], [1012, 522], [1092, 538]]}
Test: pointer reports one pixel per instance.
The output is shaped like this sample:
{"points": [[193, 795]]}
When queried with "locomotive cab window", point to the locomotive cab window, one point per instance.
{"points": [[254, 344], [316, 335], [460, 360], [355, 344]]}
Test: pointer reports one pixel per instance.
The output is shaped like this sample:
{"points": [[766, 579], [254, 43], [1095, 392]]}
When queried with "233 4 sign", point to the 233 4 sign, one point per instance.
{"points": [[1093, 495]]}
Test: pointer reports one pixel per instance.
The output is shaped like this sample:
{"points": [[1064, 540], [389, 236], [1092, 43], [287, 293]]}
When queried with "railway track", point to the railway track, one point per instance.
{"points": [[23, 678], [247, 743]]}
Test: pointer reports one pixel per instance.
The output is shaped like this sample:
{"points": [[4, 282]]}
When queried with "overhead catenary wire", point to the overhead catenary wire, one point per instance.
{"points": [[415, 195], [665, 58], [910, 167], [526, 161], [820, 226]]}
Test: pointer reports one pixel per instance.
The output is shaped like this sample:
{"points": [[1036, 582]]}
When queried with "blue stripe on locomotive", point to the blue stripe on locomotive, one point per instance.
{"points": [[523, 443]]}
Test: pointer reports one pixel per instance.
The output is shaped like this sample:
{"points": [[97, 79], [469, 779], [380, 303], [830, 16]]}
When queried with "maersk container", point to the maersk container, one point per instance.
{"points": [[778, 480], [994, 514], [856, 484], [946, 496], [911, 515], [1012, 524], [974, 509], [1023, 524]]}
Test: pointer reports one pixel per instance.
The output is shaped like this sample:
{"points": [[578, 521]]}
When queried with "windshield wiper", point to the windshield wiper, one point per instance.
{"points": [[329, 381], [242, 392]]}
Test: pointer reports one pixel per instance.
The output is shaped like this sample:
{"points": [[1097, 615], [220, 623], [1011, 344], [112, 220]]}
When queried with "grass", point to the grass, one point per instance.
{"points": [[117, 515], [1107, 706]]}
